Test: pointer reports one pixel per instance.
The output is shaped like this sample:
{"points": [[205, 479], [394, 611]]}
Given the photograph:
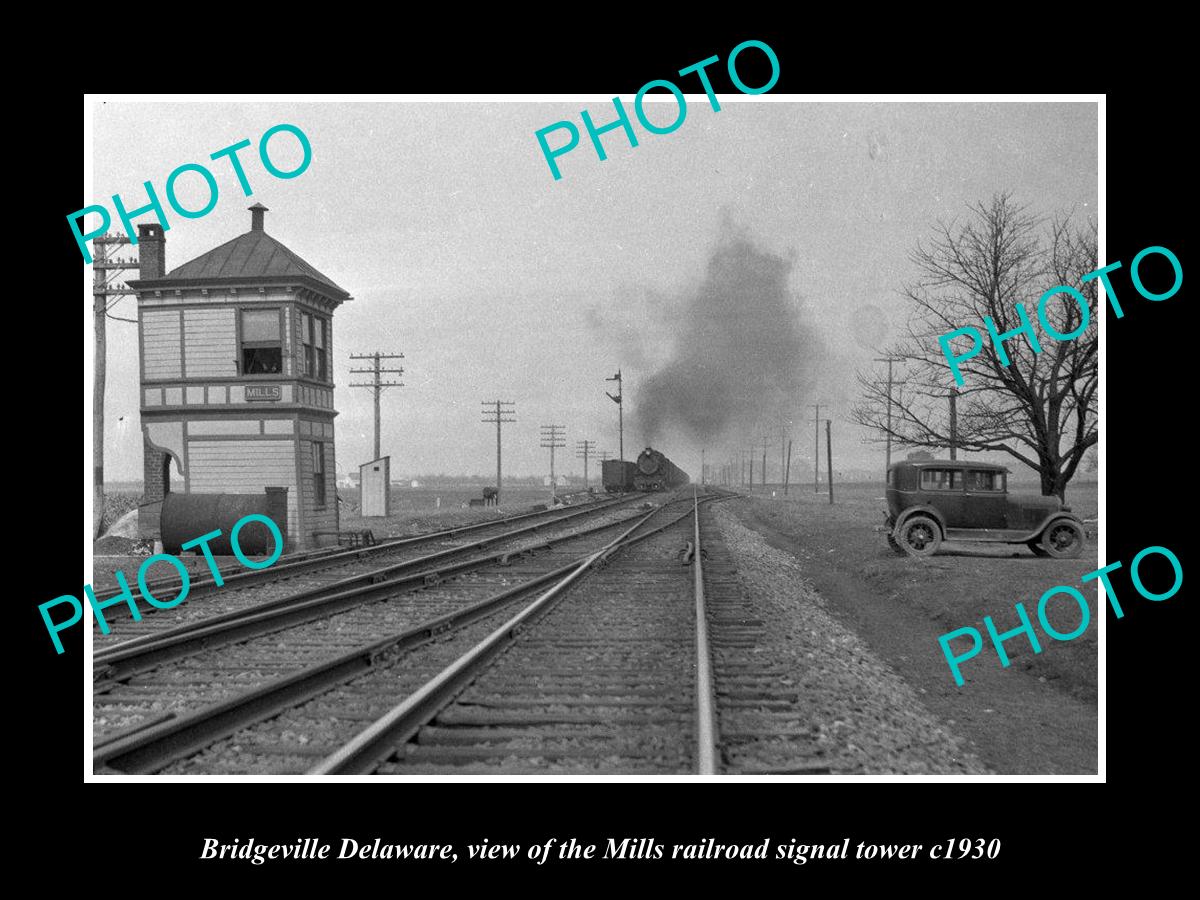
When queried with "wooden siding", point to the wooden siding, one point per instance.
{"points": [[211, 336], [224, 426], [246, 467], [324, 518], [161, 348]]}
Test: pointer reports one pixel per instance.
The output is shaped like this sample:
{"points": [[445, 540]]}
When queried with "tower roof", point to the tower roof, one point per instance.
{"points": [[254, 254], [253, 257]]}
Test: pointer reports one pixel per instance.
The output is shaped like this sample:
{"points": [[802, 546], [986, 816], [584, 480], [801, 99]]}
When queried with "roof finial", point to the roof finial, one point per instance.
{"points": [[256, 216]]}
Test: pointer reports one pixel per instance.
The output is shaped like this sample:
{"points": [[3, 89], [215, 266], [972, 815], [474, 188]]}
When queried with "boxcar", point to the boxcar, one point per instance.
{"points": [[617, 475]]}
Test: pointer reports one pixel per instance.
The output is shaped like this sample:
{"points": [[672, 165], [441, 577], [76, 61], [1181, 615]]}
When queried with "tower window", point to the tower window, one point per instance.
{"points": [[262, 342], [318, 465], [314, 334]]}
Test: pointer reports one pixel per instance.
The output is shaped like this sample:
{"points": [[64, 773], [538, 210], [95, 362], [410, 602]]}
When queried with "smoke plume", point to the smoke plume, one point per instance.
{"points": [[741, 357]]}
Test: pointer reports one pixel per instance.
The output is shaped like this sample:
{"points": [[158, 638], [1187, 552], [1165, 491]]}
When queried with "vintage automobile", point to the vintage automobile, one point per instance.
{"points": [[935, 500]]}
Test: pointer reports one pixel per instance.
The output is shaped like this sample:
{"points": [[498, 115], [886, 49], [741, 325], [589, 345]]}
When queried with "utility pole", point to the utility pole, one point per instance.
{"points": [[829, 457], [765, 440], [553, 436], [787, 470], [817, 447], [783, 436], [104, 285], [498, 411], [954, 425], [702, 467], [584, 449], [889, 360], [604, 454], [620, 413], [752, 470], [377, 384]]}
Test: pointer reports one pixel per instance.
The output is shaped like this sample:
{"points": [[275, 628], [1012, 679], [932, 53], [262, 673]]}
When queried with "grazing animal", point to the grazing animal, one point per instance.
{"points": [[491, 496]]}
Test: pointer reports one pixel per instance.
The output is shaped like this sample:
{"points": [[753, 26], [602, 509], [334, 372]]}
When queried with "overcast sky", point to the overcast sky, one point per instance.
{"points": [[444, 223]]}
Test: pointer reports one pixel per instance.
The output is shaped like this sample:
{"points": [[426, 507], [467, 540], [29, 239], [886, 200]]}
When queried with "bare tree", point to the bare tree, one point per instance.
{"points": [[1041, 408]]}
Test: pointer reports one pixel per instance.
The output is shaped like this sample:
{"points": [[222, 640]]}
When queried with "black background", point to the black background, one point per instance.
{"points": [[1147, 404]]}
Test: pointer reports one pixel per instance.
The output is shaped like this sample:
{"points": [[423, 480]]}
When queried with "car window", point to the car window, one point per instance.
{"points": [[941, 480], [984, 481]]}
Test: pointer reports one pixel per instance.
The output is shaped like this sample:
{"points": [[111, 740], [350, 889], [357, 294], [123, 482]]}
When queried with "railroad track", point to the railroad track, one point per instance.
{"points": [[596, 675], [639, 653], [325, 564], [286, 723], [115, 664], [332, 577], [763, 723]]}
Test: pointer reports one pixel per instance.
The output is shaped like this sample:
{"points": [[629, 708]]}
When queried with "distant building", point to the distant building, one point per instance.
{"points": [[237, 376]]}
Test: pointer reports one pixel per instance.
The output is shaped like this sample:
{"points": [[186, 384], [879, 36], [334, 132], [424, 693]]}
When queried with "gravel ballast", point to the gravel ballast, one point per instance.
{"points": [[863, 717]]}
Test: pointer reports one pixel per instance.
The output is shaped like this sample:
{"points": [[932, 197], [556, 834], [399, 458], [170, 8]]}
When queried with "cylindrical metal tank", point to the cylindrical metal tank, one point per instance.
{"points": [[186, 517]]}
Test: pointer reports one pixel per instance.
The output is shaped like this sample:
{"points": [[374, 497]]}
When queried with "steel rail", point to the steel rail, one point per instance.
{"points": [[239, 576], [373, 745], [706, 723], [370, 576], [121, 661], [151, 745]]}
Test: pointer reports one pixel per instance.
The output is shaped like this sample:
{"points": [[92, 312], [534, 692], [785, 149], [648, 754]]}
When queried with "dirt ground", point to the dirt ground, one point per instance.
{"points": [[1039, 716]]}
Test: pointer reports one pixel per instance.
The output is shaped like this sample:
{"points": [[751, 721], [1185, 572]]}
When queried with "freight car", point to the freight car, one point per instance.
{"points": [[657, 473], [617, 475]]}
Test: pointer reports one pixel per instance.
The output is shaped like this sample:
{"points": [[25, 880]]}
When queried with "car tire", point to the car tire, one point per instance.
{"points": [[1037, 549], [896, 548], [1063, 540], [919, 536]]}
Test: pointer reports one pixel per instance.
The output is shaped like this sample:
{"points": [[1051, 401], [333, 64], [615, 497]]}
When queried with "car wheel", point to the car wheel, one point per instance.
{"points": [[920, 536], [1063, 540], [1037, 549], [892, 543]]}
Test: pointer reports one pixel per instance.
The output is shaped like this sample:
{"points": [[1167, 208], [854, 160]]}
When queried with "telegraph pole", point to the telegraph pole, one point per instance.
{"points": [[889, 360], [378, 383], [817, 447], [498, 411], [751, 453], [787, 471], [584, 449], [104, 285], [765, 440], [553, 436], [829, 456], [620, 413], [783, 439], [954, 425]]}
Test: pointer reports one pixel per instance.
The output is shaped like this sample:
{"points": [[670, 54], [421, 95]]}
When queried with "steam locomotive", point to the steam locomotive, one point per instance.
{"points": [[657, 473], [651, 472]]}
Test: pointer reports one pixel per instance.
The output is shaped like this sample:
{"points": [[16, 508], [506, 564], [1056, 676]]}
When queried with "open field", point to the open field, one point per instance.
{"points": [[422, 509], [1038, 715]]}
